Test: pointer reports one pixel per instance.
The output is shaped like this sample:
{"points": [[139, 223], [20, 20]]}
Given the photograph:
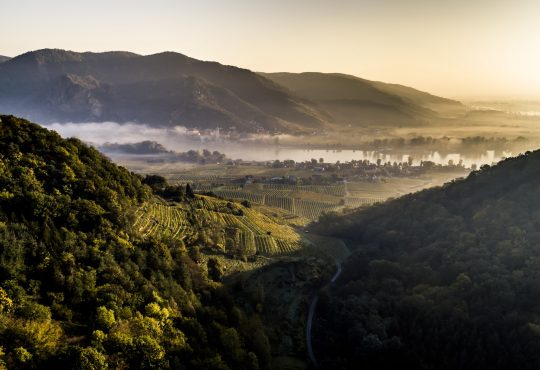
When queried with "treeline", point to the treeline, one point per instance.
{"points": [[161, 187], [79, 289], [447, 278], [142, 147], [154, 148], [472, 144]]}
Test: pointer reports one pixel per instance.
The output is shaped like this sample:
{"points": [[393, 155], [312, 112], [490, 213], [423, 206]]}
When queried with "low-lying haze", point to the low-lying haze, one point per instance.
{"points": [[259, 147]]}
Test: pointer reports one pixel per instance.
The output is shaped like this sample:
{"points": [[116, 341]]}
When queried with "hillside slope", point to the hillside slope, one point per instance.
{"points": [[446, 278], [356, 101], [82, 288], [164, 89], [4, 58]]}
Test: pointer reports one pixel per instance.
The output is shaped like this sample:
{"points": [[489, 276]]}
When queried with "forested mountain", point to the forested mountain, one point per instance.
{"points": [[447, 278], [171, 89], [164, 89], [80, 288], [356, 101]]}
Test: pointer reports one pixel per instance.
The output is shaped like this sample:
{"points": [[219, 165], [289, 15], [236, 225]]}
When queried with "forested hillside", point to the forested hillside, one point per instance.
{"points": [[170, 89], [447, 278], [81, 289]]}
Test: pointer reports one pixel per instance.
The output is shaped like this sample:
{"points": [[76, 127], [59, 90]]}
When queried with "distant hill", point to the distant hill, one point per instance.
{"points": [[446, 278], [4, 58], [164, 89], [171, 89], [356, 101]]}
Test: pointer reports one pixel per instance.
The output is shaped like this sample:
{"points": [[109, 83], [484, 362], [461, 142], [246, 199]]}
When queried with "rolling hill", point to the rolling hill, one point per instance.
{"points": [[171, 89], [446, 278], [356, 101]]}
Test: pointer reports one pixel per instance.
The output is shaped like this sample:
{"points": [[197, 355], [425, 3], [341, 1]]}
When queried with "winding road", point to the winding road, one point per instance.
{"points": [[311, 314]]}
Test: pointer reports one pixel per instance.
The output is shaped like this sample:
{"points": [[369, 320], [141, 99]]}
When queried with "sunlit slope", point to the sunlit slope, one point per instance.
{"points": [[80, 288], [227, 225]]}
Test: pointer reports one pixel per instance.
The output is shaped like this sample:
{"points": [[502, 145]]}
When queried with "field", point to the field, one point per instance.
{"points": [[293, 204], [255, 232], [296, 200], [308, 202]]}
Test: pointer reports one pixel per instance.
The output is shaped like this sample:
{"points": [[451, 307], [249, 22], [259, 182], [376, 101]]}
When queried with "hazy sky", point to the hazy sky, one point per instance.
{"points": [[456, 48]]}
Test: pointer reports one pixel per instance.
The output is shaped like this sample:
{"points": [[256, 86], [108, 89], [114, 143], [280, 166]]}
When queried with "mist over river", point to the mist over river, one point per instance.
{"points": [[266, 153], [180, 139]]}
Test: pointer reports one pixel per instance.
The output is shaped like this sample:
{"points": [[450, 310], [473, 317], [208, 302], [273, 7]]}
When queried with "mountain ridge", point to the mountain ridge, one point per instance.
{"points": [[161, 89], [171, 89], [358, 100]]}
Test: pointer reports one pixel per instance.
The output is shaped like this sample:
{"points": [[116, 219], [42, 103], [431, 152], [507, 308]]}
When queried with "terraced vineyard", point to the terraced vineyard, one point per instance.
{"points": [[286, 197], [257, 233], [312, 209], [266, 244], [280, 202], [334, 190], [308, 202], [193, 178], [154, 218], [247, 240], [240, 195], [203, 187]]}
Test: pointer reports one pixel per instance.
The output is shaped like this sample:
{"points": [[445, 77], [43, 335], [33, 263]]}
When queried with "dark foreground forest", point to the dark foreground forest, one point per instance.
{"points": [[79, 289], [447, 278]]}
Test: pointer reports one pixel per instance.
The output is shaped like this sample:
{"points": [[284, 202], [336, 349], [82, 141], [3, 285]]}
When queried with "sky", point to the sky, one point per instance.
{"points": [[456, 48]]}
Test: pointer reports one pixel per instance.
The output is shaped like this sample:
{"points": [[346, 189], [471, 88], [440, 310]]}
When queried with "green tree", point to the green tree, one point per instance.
{"points": [[90, 358], [105, 317]]}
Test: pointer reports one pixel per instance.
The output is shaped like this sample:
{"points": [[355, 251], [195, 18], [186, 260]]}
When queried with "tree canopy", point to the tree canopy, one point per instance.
{"points": [[446, 278], [80, 289]]}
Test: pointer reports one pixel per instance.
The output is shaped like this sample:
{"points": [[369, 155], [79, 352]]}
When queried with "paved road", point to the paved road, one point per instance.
{"points": [[311, 314], [338, 272]]}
